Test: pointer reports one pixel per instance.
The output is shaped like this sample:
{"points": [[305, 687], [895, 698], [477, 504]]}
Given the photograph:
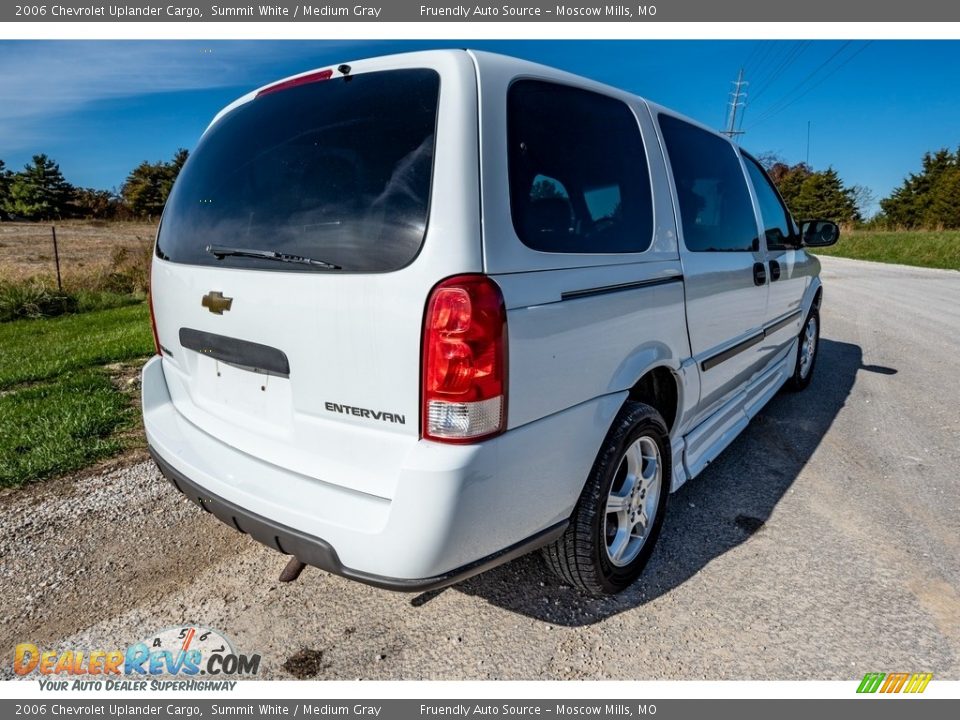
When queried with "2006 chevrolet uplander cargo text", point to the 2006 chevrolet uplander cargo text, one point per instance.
{"points": [[421, 314]]}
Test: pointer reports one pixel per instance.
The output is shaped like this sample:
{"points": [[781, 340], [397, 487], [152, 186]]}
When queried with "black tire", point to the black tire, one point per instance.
{"points": [[580, 556], [800, 379]]}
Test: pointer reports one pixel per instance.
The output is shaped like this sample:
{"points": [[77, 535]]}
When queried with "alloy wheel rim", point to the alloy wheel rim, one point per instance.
{"points": [[632, 502], [808, 347]]}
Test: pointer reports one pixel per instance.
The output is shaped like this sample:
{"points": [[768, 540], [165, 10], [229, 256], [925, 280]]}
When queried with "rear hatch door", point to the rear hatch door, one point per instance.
{"points": [[287, 288]]}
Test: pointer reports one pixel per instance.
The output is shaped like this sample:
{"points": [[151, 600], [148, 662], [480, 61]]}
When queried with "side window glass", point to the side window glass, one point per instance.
{"points": [[777, 225], [716, 212], [578, 171]]}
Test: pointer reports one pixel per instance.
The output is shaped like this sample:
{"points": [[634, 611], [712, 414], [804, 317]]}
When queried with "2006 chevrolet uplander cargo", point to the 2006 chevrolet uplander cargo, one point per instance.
{"points": [[421, 314]]}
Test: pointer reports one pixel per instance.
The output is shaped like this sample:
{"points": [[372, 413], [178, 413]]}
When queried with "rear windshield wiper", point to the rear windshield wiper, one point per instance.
{"points": [[222, 251]]}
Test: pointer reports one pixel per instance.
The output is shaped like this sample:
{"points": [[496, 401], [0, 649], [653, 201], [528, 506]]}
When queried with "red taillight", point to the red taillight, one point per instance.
{"points": [[464, 360], [294, 82]]}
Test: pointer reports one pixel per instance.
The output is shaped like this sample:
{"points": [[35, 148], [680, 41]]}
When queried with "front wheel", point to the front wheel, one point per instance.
{"points": [[618, 518], [808, 346]]}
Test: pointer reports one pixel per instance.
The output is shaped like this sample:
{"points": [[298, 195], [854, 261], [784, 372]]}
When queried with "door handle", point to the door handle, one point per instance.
{"points": [[759, 274], [774, 271]]}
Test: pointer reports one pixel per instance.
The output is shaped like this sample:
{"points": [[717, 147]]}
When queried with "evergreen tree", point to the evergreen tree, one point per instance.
{"points": [[179, 158], [39, 191], [925, 199], [814, 194], [144, 189], [943, 210], [149, 184], [789, 181], [98, 204], [822, 195], [5, 176]]}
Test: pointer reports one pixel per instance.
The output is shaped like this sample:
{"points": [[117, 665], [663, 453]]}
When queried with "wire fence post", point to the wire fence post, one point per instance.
{"points": [[56, 258]]}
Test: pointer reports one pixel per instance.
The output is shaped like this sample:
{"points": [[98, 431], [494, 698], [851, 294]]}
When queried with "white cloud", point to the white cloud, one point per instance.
{"points": [[43, 80]]}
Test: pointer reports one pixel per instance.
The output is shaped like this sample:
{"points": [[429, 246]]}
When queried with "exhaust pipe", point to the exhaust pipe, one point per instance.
{"points": [[292, 570]]}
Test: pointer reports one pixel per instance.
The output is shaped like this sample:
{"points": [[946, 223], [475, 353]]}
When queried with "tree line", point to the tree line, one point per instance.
{"points": [[40, 192], [813, 193], [929, 199]]}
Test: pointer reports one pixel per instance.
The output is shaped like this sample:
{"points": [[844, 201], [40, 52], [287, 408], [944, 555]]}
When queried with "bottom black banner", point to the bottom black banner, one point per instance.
{"points": [[872, 708]]}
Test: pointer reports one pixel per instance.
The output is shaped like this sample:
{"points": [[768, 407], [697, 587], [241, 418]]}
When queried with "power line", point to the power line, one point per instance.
{"points": [[768, 60], [785, 100], [827, 76], [774, 110], [757, 46], [791, 57], [779, 63], [767, 49]]}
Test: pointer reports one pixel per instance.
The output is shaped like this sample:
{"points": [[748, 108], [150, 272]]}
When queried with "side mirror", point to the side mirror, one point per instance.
{"points": [[819, 233]]}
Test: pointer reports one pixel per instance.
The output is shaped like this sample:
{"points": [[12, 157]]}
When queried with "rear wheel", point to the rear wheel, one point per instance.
{"points": [[618, 518], [808, 346]]}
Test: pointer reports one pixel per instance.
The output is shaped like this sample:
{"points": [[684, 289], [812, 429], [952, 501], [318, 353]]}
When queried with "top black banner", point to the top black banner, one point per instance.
{"points": [[522, 11]]}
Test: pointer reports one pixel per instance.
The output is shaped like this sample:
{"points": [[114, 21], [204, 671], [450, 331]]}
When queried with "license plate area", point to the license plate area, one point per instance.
{"points": [[241, 394]]}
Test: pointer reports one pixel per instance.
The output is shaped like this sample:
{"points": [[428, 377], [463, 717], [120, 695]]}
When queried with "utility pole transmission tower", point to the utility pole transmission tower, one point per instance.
{"points": [[738, 99]]}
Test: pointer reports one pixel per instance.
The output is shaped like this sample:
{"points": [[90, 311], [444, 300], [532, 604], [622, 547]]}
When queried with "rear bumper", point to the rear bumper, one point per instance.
{"points": [[456, 511], [316, 552]]}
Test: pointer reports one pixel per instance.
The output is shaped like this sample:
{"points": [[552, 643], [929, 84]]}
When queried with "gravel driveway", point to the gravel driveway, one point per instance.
{"points": [[824, 543]]}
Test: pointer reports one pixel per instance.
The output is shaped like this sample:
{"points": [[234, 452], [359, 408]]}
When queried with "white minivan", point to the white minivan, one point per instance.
{"points": [[420, 314]]}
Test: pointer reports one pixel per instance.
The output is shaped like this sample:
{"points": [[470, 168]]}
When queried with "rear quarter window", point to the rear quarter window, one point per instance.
{"points": [[716, 212], [337, 170], [578, 173]]}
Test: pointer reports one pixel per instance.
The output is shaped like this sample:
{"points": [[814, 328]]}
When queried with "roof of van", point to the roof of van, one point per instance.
{"points": [[483, 61]]}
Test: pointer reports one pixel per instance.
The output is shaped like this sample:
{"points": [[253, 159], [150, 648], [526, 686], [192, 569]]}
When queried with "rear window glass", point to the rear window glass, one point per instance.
{"points": [[337, 171], [578, 171]]}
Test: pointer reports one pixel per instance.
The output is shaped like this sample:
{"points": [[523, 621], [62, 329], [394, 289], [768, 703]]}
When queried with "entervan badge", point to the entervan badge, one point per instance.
{"points": [[215, 302]]}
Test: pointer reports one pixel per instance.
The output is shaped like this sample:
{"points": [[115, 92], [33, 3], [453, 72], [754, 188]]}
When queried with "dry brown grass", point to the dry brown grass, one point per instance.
{"points": [[89, 250]]}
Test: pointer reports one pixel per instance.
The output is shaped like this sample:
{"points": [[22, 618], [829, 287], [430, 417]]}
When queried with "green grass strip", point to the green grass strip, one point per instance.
{"points": [[57, 427], [32, 350], [919, 248]]}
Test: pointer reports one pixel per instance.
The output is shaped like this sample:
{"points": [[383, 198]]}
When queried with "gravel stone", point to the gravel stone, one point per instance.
{"points": [[817, 545]]}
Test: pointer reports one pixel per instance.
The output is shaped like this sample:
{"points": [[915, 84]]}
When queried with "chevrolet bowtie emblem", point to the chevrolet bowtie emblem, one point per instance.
{"points": [[215, 302]]}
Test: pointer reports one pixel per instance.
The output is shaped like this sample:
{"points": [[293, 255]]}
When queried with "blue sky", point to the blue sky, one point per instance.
{"points": [[101, 107]]}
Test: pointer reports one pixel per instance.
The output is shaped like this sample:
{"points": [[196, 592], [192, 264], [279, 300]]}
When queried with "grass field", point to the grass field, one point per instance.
{"points": [[86, 247], [66, 396], [103, 265], [921, 248], [33, 350]]}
